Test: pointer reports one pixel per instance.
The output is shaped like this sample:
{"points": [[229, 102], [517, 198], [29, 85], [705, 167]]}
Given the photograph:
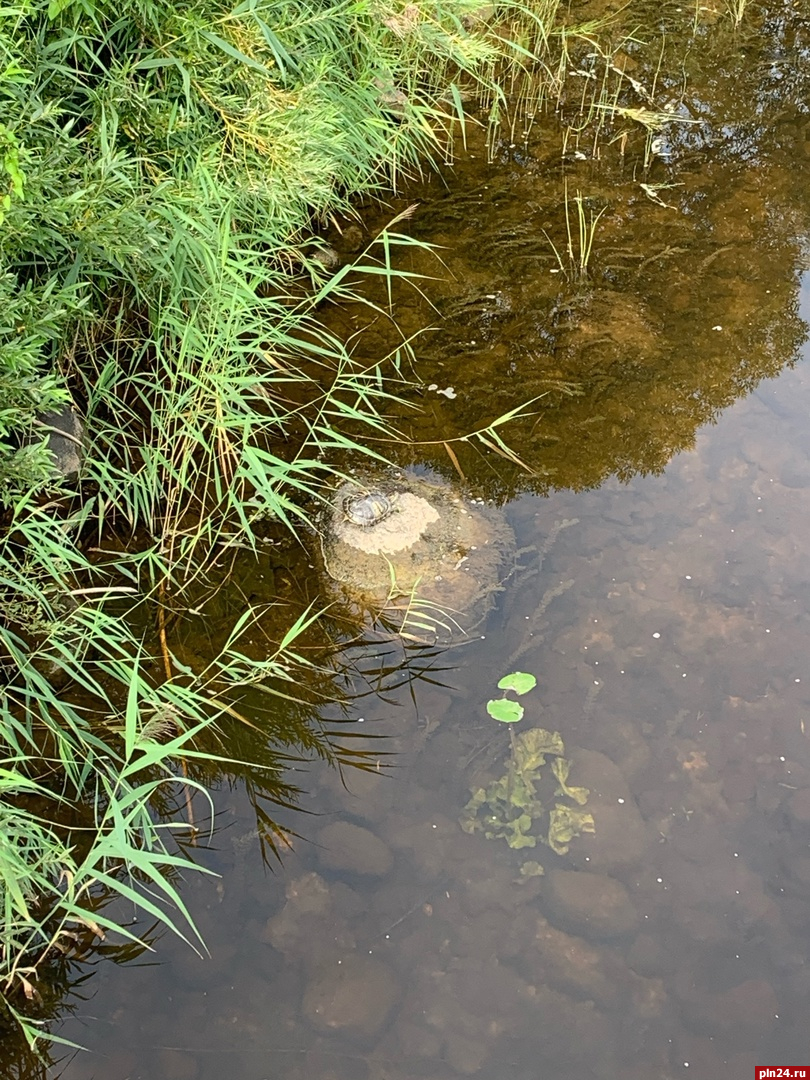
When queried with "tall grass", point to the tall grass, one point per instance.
{"points": [[161, 167]]}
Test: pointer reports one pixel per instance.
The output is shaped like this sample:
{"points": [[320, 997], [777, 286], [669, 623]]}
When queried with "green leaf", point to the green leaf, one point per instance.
{"points": [[521, 837], [508, 712], [56, 7], [564, 824], [519, 681], [560, 767], [233, 52], [532, 746]]}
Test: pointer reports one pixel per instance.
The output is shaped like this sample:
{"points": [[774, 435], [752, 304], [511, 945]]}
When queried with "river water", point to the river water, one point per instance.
{"points": [[660, 597]]}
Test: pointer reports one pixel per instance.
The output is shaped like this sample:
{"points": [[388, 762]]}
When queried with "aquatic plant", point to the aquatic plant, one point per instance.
{"points": [[517, 807], [523, 806], [736, 9], [575, 265], [505, 709]]}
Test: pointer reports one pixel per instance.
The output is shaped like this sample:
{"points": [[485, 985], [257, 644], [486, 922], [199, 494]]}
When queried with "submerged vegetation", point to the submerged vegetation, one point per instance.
{"points": [[523, 806], [517, 807]]}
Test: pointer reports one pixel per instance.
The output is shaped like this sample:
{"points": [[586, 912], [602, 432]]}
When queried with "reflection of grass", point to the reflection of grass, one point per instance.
{"points": [[423, 621], [611, 102], [89, 786], [736, 9]]}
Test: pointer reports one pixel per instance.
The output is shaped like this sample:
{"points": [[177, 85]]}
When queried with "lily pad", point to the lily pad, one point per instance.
{"points": [[519, 681], [508, 712]]}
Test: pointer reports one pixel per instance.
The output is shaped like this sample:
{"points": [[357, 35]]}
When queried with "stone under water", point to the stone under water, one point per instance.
{"points": [[432, 556]]}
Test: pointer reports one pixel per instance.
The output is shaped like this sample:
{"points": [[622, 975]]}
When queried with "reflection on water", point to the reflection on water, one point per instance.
{"points": [[690, 293], [665, 614]]}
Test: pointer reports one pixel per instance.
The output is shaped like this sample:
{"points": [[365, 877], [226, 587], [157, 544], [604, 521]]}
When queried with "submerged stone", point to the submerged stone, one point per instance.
{"points": [[66, 435], [344, 846], [416, 548], [574, 966], [743, 1015], [465, 1054], [620, 839], [354, 996], [593, 905], [306, 927]]}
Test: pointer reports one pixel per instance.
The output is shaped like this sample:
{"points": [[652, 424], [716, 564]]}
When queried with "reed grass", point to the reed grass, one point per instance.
{"points": [[162, 167], [574, 258], [736, 9]]}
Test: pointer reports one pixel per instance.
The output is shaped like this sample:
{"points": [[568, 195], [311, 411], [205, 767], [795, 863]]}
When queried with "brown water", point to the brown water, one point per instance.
{"points": [[661, 598]]}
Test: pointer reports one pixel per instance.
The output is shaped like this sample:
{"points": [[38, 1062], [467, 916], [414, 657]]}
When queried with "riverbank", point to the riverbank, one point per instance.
{"points": [[165, 172]]}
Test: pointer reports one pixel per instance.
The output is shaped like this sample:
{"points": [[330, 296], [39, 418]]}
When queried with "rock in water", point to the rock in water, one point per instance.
{"points": [[344, 846], [354, 997], [369, 509], [416, 546], [595, 906], [66, 437], [620, 839]]}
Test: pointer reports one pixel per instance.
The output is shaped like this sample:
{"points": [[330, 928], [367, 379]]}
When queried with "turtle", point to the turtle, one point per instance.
{"points": [[368, 509]]}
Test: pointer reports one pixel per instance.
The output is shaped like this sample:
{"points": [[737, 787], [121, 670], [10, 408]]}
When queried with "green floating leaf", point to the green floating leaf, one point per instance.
{"points": [[519, 681], [508, 712], [560, 767]]}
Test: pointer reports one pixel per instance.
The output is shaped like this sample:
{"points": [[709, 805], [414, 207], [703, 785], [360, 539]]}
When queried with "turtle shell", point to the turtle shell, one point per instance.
{"points": [[368, 509]]}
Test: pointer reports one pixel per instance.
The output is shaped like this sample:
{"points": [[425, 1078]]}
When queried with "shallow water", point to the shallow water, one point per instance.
{"points": [[662, 601], [679, 652]]}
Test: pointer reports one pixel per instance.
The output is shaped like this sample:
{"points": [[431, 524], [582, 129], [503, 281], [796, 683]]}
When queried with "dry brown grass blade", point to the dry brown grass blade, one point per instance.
{"points": [[452, 455]]}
